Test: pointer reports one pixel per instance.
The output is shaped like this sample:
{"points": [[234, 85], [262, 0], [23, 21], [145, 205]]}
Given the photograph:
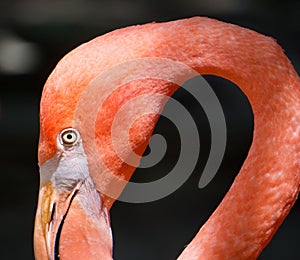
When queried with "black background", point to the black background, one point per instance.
{"points": [[157, 230]]}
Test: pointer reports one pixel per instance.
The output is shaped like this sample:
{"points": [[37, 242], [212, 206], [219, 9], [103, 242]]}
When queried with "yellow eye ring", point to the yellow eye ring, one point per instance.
{"points": [[69, 136]]}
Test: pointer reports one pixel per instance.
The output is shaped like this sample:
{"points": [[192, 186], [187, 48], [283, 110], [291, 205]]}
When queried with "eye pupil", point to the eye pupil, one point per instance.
{"points": [[69, 136]]}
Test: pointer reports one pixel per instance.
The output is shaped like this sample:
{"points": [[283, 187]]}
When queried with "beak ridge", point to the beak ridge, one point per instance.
{"points": [[52, 210], [55, 222]]}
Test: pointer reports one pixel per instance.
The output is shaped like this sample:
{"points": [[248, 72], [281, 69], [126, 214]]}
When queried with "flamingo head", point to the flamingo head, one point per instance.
{"points": [[81, 174], [72, 216]]}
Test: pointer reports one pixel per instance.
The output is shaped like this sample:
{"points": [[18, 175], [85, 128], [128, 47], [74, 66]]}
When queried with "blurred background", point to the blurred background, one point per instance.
{"points": [[34, 36]]}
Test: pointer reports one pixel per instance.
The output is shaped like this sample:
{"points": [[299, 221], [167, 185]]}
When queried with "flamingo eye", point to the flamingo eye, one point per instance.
{"points": [[69, 137]]}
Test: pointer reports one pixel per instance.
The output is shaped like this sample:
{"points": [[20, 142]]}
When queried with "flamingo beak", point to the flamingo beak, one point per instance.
{"points": [[71, 224]]}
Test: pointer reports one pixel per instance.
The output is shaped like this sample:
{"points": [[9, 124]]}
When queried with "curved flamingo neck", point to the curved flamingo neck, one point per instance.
{"points": [[268, 183]]}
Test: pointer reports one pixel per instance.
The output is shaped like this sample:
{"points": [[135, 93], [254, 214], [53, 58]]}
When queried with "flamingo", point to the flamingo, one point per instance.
{"points": [[77, 192]]}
